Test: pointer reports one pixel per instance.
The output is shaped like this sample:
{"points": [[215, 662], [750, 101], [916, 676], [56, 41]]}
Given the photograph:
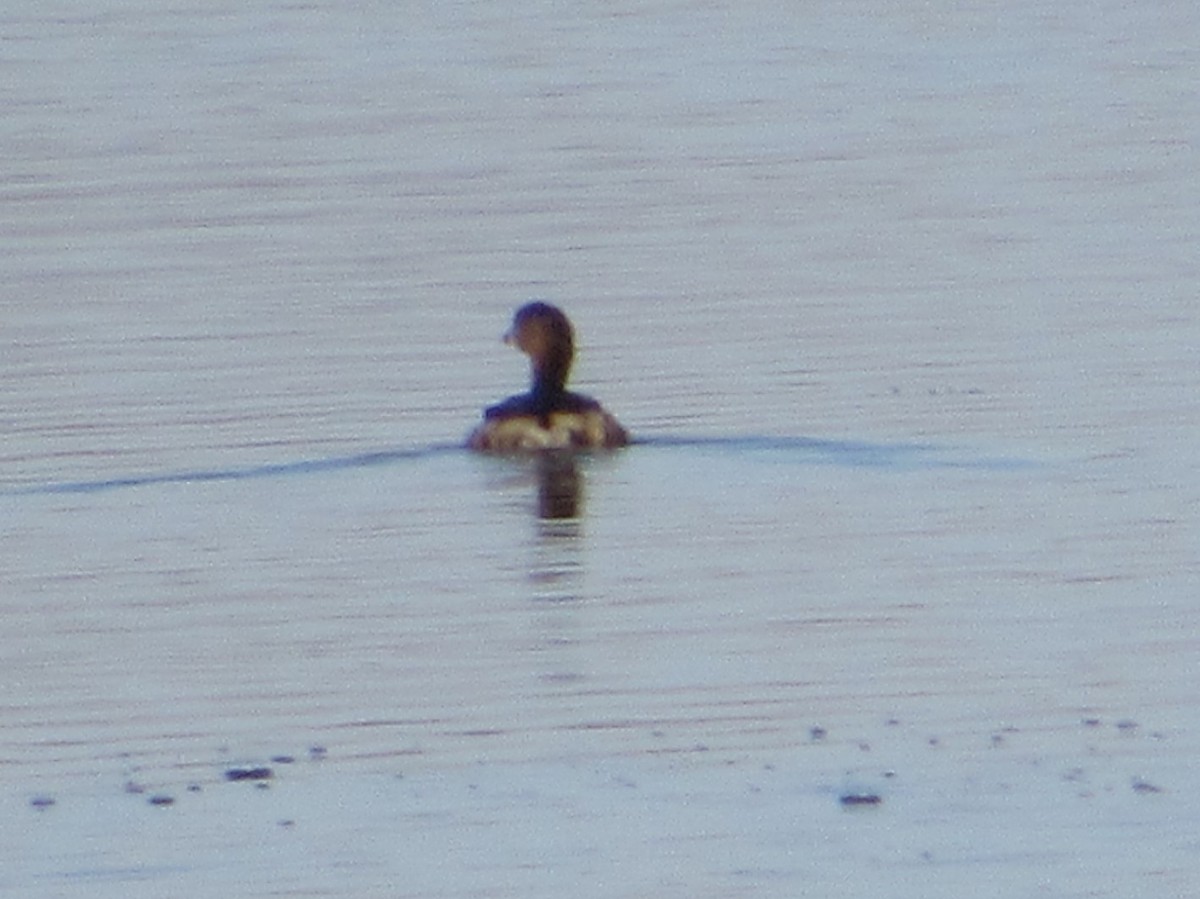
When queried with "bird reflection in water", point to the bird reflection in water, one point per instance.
{"points": [[559, 486], [555, 575]]}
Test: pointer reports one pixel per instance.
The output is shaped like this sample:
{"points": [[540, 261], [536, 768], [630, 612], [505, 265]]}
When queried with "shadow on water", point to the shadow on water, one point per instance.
{"points": [[559, 480]]}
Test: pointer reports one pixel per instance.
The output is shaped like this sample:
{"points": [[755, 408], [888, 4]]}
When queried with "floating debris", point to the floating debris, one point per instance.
{"points": [[860, 800], [249, 774]]}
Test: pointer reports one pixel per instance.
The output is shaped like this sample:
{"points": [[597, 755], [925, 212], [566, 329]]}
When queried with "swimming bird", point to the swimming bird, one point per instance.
{"points": [[549, 416]]}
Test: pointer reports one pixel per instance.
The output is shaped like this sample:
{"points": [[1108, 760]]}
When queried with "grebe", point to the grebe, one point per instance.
{"points": [[549, 416]]}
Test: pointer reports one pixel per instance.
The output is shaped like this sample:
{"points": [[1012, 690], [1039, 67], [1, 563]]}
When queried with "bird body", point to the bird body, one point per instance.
{"points": [[549, 416]]}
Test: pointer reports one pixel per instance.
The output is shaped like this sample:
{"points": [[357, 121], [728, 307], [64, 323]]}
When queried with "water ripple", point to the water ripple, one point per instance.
{"points": [[806, 450]]}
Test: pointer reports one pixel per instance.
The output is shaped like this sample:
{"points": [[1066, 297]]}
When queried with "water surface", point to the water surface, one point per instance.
{"points": [[899, 303]]}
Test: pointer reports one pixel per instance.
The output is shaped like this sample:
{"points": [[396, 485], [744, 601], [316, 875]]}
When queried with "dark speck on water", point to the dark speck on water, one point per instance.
{"points": [[1145, 787], [860, 800], [249, 774]]}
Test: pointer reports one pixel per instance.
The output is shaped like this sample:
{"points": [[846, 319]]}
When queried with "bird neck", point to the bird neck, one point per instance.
{"points": [[550, 374], [546, 393]]}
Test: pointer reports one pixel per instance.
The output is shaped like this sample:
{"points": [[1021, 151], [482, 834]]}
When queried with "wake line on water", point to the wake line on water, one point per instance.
{"points": [[850, 453], [846, 453], [306, 466]]}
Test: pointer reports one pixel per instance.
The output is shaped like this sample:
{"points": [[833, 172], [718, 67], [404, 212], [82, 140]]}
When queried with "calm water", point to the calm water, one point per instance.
{"points": [[901, 303]]}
